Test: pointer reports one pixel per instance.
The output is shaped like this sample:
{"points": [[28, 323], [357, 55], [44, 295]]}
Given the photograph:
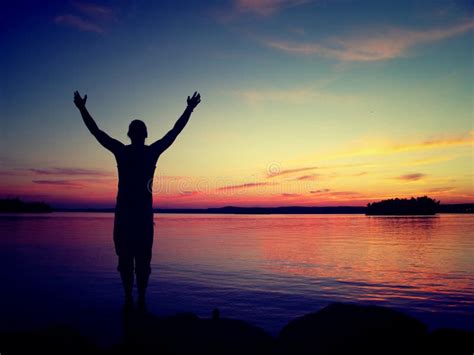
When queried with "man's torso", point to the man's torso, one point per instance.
{"points": [[136, 166]]}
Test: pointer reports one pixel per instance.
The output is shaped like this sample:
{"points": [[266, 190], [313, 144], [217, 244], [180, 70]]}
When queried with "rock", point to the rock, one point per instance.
{"points": [[352, 329], [57, 340], [450, 341], [188, 334], [335, 329]]}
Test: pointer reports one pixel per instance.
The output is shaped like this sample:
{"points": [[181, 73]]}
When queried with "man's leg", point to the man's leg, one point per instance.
{"points": [[143, 270], [125, 267], [124, 253]]}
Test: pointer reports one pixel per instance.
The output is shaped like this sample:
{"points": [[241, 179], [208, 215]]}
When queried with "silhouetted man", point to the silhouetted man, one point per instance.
{"points": [[133, 224]]}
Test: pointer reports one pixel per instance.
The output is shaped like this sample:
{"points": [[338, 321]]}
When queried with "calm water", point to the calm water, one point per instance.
{"points": [[61, 267]]}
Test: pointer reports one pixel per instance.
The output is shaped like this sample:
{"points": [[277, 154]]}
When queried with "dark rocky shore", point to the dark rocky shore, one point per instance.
{"points": [[336, 329]]}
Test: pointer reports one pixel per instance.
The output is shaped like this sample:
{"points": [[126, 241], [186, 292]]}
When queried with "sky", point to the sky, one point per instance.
{"points": [[304, 103]]}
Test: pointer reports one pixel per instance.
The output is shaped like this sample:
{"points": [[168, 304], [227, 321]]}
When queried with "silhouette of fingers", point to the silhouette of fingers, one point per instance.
{"points": [[195, 99]]}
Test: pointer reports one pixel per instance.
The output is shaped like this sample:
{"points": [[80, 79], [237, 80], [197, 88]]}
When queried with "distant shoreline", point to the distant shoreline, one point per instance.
{"points": [[400, 207], [451, 208]]}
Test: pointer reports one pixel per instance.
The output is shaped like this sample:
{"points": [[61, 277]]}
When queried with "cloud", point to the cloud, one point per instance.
{"points": [[273, 174], [170, 177], [431, 160], [411, 177], [91, 17], [258, 8], [292, 96], [386, 148], [69, 183], [440, 189], [329, 193], [378, 45], [307, 177], [56, 172], [265, 7], [95, 10], [183, 195], [297, 30], [69, 172], [290, 195], [344, 193], [242, 186], [187, 193], [322, 191], [9, 172], [435, 143], [79, 23]]}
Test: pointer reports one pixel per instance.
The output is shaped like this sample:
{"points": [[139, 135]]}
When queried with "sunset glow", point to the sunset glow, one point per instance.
{"points": [[304, 103]]}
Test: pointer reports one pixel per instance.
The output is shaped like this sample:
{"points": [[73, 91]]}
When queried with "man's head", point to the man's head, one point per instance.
{"points": [[137, 131]]}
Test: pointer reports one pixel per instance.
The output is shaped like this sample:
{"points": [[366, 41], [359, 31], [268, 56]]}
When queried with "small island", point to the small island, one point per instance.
{"points": [[15, 205], [413, 206]]}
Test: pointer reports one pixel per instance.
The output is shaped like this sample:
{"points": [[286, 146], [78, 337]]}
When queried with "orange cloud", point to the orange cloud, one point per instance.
{"points": [[435, 143], [94, 174], [272, 174], [440, 189], [306, 177], [349, 194], [379, 45], [411, 177], [322, 191], [242, 186], [183, 194], [430, 160], [69, 171], [377, 148], [69, 183]]}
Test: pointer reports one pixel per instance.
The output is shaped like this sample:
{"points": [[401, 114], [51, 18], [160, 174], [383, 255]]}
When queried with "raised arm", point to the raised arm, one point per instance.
{"points": [[107, 142], [162, 144]]}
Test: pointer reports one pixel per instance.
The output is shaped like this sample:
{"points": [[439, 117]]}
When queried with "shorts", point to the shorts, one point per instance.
{"points": [[133, 241]]}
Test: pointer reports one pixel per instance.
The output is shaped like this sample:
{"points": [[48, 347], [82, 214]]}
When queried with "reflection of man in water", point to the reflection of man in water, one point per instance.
{"points": [[133, 225]]}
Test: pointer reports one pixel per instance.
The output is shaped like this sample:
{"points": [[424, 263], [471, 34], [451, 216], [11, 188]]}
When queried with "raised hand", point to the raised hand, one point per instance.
{"points": [[79, 101], [194, 101]]}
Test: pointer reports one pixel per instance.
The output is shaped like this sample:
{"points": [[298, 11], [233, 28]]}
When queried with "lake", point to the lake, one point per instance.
{"points": [[265, 269]]}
